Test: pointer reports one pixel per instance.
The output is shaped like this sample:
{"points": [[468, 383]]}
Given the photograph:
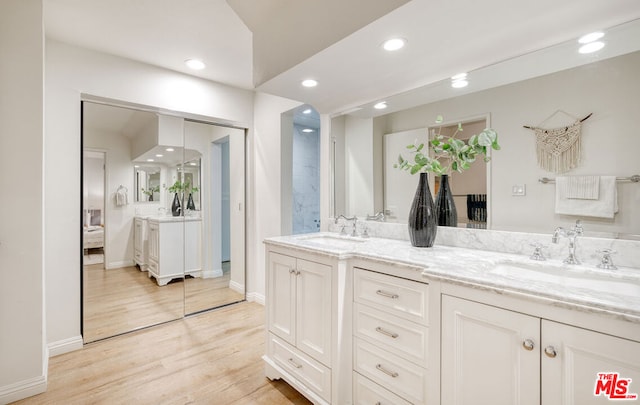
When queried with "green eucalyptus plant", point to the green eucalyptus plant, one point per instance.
{"points": [[177, 187], [151, 190], [442, 155]]}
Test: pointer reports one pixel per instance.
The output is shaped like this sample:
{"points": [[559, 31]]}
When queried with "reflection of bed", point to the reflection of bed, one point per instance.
{"points": [[93, 237]]}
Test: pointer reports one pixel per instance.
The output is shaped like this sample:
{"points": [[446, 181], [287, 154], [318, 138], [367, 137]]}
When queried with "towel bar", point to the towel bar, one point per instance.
{"points": [[634, 179]]}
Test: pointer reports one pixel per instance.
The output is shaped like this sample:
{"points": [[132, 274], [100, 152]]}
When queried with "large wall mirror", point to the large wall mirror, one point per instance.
{"points": [[163, 218], [552, 87]]}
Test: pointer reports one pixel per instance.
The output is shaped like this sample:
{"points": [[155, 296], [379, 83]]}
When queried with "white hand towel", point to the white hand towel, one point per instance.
{"points": [[583, 187], [604, 207]]}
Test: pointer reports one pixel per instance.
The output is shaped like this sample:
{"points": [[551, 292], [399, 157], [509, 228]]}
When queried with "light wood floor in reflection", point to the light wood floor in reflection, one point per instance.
{"points": [[120, 300], [206, 293], [210, 358], [125, 299]]}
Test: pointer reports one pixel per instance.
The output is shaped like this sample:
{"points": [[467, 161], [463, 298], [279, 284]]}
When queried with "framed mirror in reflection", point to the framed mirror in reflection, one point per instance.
{"points": [[520, 92], [146, 183]]}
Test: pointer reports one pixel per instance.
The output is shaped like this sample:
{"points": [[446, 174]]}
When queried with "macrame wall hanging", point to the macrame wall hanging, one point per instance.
{"points": [[558, 149]]}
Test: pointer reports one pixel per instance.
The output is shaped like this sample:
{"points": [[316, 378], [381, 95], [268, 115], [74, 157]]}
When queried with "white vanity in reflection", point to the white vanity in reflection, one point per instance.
{"points": [[173, 247]]}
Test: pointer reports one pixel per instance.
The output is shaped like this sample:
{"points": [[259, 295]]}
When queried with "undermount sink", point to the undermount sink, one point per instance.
{"points": [[336, 241], [569, 276]]}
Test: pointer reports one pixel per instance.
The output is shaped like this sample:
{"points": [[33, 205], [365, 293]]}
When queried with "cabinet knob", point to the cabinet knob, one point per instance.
{"points": [[528, 344], [550, 351]]}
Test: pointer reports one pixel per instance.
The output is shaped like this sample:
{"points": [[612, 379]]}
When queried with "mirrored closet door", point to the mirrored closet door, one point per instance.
{"points": [[160, 240], [214, 159]]}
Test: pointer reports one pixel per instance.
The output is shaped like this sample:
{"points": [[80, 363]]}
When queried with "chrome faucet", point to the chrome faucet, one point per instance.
{"points": [[377, 217], [572, 235], [355, 221]]}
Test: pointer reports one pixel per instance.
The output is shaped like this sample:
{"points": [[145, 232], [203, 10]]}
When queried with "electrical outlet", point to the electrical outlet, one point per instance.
{"points": [[519, 190]]}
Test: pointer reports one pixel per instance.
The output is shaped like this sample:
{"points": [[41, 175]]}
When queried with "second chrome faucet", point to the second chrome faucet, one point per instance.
{"points": [[572, 235]]}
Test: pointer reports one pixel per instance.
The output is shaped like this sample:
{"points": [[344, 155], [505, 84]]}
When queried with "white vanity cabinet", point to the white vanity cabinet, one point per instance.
{"points": [[492, 355], [169, 257], [299, 322], [140, 242], [390, 339]]}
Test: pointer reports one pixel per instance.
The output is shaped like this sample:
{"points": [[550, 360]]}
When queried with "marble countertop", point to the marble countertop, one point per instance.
{"points": [[573, 286], [170, 218]]}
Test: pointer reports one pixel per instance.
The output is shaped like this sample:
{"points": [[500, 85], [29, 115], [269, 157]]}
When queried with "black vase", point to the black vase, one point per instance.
{"points": [[175, 206], [423, 223], [445, 206], [190, 205]]}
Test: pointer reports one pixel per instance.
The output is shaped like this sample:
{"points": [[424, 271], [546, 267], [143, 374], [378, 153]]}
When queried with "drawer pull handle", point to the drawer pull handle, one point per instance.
{"points": [[387, 294], [528, 344], [386, 332], [387, 372], [294, 364], [550, 351]]}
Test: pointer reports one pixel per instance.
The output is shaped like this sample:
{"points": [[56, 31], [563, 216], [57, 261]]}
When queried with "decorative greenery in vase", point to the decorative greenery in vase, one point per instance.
{"points": [[149, 192], [448, 153]]}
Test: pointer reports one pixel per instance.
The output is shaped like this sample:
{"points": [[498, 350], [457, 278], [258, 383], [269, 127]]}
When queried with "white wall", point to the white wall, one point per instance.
{"points": [[267, 110], [609, 89], [23, 357], [71, 72]]}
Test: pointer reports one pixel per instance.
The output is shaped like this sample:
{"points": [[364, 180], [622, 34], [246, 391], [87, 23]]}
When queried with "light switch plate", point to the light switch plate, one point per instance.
{"points": [[519, 190]]}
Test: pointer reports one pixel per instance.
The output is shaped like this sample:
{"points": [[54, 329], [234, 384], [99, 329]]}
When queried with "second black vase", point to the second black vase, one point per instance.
{"points": [[190, 204], [175, 206], [445, 206], [422, 217]]}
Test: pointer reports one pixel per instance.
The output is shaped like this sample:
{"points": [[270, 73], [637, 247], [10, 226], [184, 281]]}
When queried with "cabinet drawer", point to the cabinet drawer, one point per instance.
{"points": [[390, 371], [152, 267], [308, 371], [399, 336], [366, 392], [405, 298]]}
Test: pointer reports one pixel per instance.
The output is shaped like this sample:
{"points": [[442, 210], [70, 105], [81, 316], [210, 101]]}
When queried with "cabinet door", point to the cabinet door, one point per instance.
{"points": [[573, 358], [484, 358], [137, 235], [154, 241], [281, 296], [314, 310]]}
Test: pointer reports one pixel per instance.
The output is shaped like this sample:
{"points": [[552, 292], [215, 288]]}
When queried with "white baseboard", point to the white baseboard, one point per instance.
{"points": [[65, 346], [255, 297], [237, 287], [23, 389], [212, 273], [117, 265]]}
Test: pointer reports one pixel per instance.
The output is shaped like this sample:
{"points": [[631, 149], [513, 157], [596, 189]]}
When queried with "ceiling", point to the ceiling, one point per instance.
{"points": [[272, 45]]}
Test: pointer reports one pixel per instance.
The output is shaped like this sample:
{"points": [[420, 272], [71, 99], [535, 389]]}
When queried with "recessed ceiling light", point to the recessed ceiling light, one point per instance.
{"points": [[195, 64], [591, 47], [159, 155], [594, 36], [381, 105], [193, 164], [169, 149], [394, 44], [459, 76], [149, 160], [307, 111], [458, 84], [136, 166], [309, 83], [307, 130]]}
